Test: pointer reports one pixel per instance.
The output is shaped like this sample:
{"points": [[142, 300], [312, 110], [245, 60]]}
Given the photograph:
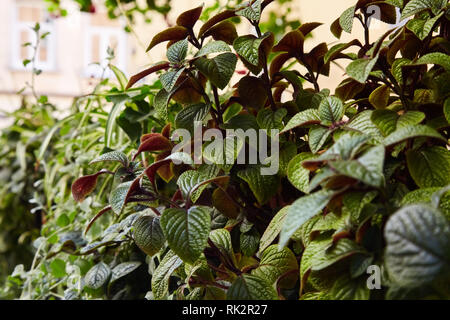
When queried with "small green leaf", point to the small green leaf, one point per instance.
{"points": [[250, 10], [275, 263], [191, 178], [115, 156], [331, 110], [417, 249], [430, 166], [267, 119], [438, 58], [273, 229], [342, 250], [177, 52], [318, 135], [97, 275], [118, 196], [301, 211], [297, 174], [249, 242], [307, 117], [416, 6], [409, 132], [160, 103], [187, 231], [169, 79], [250, 287], [361, 68], [346, 19], [264, 187], [248, 47], [219, 69], [58, 268], [148, 234], [379, 98], [188, 115], [160, 278], [123, 269], [213, 47]]}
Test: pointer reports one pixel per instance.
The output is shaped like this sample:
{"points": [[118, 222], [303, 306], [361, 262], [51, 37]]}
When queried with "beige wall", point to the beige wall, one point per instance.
{"points": [[67, 80]]}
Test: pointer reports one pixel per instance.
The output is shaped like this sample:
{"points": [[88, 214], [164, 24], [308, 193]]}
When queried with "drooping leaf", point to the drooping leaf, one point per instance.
{"points": [[438, 58], [343, 249], [215, 20], [379, 98], [97, 276], [409, 132], [191, 178], [119, 196], [85, 185], [160, 278], [186, 231], [292, 43], [262, 186], [171, 34], [318, 135], [273, 229], [307, 117], [346, 19], [170, 78], [153, 142], [249, 242], [248, 47], [123, 269], [302, 210], [415, 6], [417, 250], [224, 31], [188, 18]]}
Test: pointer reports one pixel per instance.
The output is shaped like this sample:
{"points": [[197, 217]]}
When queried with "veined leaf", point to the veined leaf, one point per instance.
{"points": [[218, 69], [346, 19], [302, 210], [438, 58], [248, 47], [160, 278], [262, 186], [273, 229], [115, 156], [188, 115], [251, 10], [344, 248], [297, 174], [250, 287], [191, 178], [187, 231], [148, 234], [416, 6], [409, 132], [213, 47], [318, 135], [417, 250], [429, 167], [97, 275], [123, 269], [331, 110], [361, 68], [307, 117], [379, 98], [169, 79], [177, 52]]}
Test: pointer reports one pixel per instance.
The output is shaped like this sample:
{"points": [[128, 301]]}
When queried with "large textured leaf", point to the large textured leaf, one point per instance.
{"points": [[415, 6], [438, 58], [409, 132], [346, 19], [297, 174], [362, 123], [160, 278], [385, 120], [343, 249], [379, 98], [318, 135], [187, 231], [114, 156], [188, 115], [361, 68], [169, 79], [418, 246], [346, 288], [429, 167], [302, 210], [249, 242], [262, 186], [307, 117], [122, 269], [274, 264], [213, 47], [218, 69], [267, 119], [250, 287], [331, 110], [273, 229], [248, 47], [118, 196], [148, 234], [222, 239], [251, 10], [191, 178], [160, 103], [97, 275], [177, 52]]}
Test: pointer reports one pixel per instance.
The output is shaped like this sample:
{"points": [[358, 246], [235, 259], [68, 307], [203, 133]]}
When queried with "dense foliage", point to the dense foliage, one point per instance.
{"points": [[362, 182]]}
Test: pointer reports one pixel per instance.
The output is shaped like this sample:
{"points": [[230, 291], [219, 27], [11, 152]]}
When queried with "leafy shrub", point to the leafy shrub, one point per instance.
{"points": [[363, 174]]}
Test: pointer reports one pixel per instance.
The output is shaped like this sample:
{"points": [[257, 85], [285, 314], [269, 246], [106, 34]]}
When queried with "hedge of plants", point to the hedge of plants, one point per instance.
{"points": [[358, 209]]}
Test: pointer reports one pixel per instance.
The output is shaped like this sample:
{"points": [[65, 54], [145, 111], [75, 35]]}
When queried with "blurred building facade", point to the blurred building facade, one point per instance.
{"points": [[74, 42]]}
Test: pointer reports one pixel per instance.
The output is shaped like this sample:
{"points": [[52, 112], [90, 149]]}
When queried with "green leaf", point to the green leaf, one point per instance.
{"points": [[160, 103], [385, 120], [368, 168], [249, 242], [224, 152], [447, 109], [213, 47], [301, 211], [410, 132], [188, 115], [379, 98], [97, 276], [118, 196], [346, 288], [397, 68], [331, 110], [438, 58], [120, 76], [264, 187], [222, 239], [315, 247], [343, 249], [297, 174], [219, 69], [148, 235], [346, 19], [160, 278], [169, 79], [422, 27], [177, 52], [416, 6], [191, 178], [307, 117], [250, 287], [430, 166], [273, 229], [187, 231], [410, 118], [268, 119], [124, 268], [318, 135], [250, 10], [361, 68], [274, 264], [110, 123], [362, 123], [58, 268], [417, 249], [248, 47]]}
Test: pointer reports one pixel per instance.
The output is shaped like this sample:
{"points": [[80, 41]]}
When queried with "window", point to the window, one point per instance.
{"points": [[102, 34], [25, 15]]}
